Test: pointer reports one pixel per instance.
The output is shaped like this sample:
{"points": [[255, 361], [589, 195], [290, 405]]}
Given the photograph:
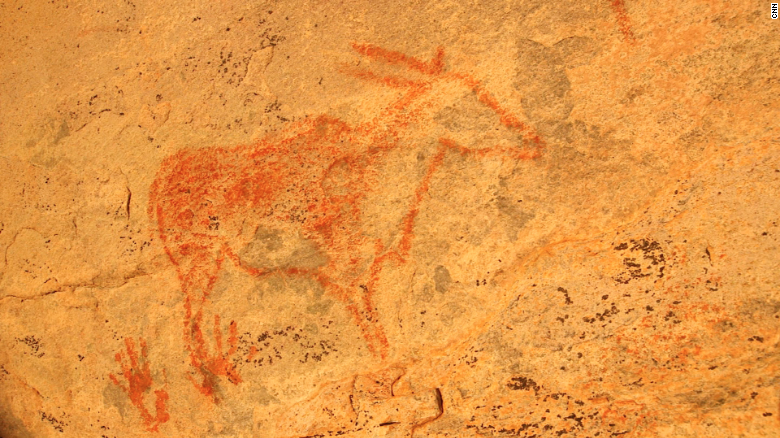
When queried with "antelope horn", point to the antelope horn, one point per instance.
{"points": [[392, 81], [432, 67]]}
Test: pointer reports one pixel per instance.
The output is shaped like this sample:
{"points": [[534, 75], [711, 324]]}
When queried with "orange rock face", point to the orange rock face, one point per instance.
{"points": [[371, 219]]}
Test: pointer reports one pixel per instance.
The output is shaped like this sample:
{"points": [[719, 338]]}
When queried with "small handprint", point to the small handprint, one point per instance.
{"points": [[139, 381], [217, 364]]}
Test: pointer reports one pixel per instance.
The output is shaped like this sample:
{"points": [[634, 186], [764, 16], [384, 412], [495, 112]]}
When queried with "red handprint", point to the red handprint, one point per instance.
{"points": [[216, 364], [139, 381]]}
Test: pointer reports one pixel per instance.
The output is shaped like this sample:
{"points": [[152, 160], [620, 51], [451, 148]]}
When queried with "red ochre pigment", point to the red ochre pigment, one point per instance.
{"points": [[624, 23], [315, 176], [139, 380]]}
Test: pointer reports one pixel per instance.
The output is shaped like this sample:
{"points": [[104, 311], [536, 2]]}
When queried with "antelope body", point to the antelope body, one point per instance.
{"points": [[315, 180]]}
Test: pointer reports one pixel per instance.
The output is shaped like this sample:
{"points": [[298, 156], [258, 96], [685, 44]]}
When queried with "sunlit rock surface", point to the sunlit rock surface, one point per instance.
{"points": [[387, 219]]}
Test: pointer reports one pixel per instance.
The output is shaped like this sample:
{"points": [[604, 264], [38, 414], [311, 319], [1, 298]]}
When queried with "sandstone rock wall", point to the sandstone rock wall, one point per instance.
{"points": [[384, 218]]}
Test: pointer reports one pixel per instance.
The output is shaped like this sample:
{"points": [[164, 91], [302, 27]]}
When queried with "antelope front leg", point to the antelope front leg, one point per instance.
{"points": [[198, 271], [363, 308]]}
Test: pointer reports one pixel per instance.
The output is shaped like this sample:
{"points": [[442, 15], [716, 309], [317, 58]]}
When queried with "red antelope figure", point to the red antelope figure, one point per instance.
{"points": [[313, 182]]}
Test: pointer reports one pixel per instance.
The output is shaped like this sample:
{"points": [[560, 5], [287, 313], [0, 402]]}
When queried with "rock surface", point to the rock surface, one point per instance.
{"points": [[383, 218]]}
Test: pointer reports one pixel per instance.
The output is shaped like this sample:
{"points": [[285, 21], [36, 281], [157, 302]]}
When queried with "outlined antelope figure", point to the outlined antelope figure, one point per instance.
{"points": [[313, 179]]}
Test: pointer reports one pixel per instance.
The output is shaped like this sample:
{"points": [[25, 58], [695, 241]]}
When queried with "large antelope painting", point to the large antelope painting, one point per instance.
{"points": [[314, 180]]}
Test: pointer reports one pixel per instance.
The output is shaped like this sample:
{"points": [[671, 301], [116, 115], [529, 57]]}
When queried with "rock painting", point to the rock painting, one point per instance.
{"points": [[312, 179]]}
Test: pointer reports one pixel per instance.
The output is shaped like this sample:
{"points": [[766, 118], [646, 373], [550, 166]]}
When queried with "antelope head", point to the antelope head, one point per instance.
{"points": [[454, 107]]}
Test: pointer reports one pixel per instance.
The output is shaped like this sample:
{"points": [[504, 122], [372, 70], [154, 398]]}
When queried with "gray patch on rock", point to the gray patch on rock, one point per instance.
{"points": [[471, 123], [231, 421], [319, 307], [442, 279], [63, 132], [427, 294], [274, 249], [264, 397], [273, 286], [114, 396], [505, 347], [707, 398], [466, 114], [311, 328], [576, 50], [269, 238], [755, 308], [516, 217], [541, 78], [450, 312]]}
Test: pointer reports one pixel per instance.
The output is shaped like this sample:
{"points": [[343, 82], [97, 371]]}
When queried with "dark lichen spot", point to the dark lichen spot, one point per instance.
{"points": [[565, 295], [523, 383]]}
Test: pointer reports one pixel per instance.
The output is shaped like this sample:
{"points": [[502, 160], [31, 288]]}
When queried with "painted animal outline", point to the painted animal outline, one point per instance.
{"points": [[199, 195]]}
